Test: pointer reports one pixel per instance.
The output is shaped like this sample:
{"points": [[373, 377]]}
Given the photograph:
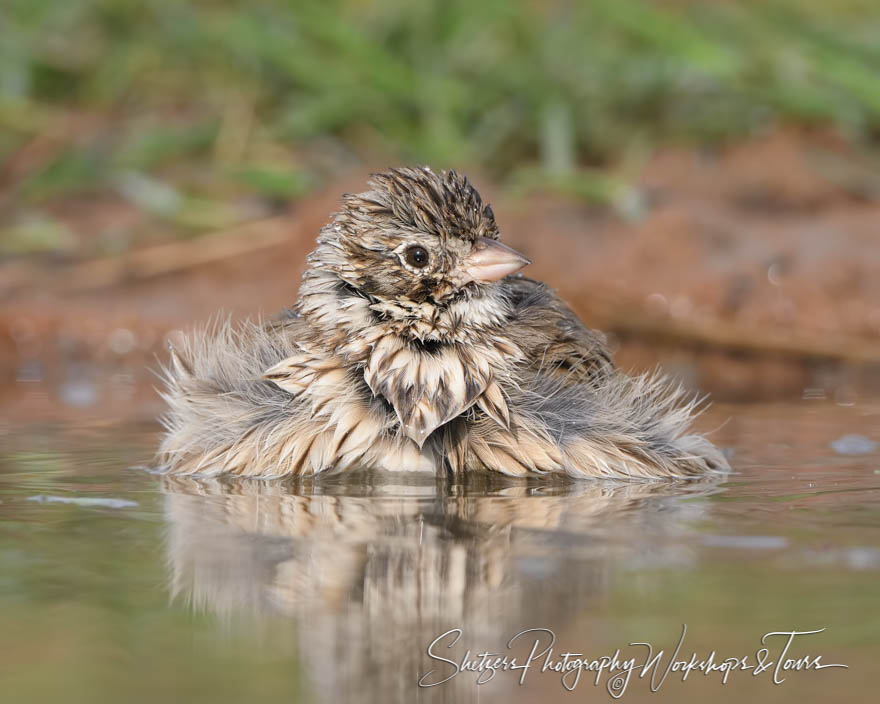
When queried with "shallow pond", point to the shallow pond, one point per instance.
{"points": [[118, 585]]}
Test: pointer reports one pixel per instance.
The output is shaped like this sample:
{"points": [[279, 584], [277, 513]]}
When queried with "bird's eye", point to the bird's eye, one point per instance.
{"points": [[416, 256]]}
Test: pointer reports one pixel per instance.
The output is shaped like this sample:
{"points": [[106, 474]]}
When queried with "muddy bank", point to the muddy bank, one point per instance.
{"points": [[750, 273]]}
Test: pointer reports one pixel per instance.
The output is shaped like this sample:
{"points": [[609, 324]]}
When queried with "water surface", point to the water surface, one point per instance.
{"points": [[120, 585]]}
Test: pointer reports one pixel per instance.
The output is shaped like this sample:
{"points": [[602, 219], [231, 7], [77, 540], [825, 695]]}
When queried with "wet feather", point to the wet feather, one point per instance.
{"points": [[382, 365]]}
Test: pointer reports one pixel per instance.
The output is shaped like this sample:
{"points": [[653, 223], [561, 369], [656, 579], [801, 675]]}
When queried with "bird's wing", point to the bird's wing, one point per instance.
{"points": [[553, 338]]}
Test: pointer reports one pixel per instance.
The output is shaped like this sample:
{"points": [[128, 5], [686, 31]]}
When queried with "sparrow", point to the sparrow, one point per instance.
{"points": [[415, 346]]}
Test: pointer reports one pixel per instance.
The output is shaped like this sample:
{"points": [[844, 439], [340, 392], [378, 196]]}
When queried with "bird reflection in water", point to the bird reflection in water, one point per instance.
{"points": [[372, 568]]}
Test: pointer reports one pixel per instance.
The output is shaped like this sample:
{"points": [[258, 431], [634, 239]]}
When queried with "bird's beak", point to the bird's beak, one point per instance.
{"points": [[489, 260]]}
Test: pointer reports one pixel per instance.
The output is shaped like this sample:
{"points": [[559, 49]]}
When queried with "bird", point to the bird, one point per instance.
{"points": [[417, 345]]}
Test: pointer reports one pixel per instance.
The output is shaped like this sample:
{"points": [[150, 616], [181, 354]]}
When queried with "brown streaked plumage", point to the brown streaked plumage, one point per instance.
{"points": [[412, 348]]}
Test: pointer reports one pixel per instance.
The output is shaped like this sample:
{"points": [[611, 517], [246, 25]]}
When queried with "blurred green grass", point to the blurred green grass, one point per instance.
{"points": [[205, 100]]}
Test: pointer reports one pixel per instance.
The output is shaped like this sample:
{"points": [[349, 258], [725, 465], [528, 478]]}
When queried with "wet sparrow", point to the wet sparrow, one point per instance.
{"points": [[412, 348]]}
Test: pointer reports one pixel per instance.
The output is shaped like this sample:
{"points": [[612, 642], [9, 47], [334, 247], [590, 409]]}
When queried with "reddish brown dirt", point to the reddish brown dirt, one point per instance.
{"points": [[752, 274]]}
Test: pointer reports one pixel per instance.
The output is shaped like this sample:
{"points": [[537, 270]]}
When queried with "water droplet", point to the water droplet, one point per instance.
{"points": [[774, 272], [78, 393], [122, 341], [658, 302], [863, 558], [853, 445], [175, 339]]}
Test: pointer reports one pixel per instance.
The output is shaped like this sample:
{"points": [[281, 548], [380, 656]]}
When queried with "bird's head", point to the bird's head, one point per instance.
{"points": [[423, 249]]}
